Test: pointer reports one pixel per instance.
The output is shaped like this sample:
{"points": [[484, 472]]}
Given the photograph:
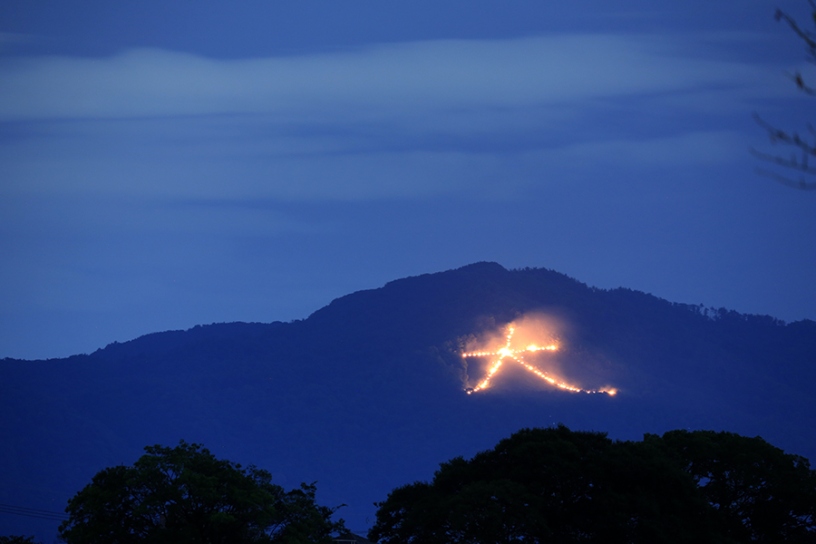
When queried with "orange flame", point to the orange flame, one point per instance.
{"points": [[517, 355]]}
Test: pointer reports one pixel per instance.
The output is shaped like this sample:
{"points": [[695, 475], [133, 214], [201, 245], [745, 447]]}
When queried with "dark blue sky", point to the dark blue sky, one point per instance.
{"points": [[169, 164]]}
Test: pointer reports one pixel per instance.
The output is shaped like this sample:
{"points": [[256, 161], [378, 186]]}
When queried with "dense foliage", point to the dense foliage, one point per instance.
{"points": [[186, 495], [760, 493], [555, 485]]}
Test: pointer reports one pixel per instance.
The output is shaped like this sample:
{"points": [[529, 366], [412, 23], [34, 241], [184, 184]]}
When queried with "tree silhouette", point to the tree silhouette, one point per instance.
{"points": [[556, 485], [186, 495], [551, 485], [761, 494]]}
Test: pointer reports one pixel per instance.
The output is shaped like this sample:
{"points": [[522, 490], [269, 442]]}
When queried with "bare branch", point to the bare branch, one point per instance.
{"points": [[803, 147], [808, 37], [780, 136], [801, 85], [787, 163], [800, 184]]}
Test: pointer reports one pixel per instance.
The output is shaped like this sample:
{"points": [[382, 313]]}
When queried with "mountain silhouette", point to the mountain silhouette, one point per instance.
{"points": [[368, 393]]}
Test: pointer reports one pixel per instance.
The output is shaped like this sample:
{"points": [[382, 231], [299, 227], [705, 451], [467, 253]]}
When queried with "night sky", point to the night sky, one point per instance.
{"points": [[167, 164]]}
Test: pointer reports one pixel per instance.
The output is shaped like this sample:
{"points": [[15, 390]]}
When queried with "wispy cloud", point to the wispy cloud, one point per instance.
{"points": [[372, 82], [418, 119]]}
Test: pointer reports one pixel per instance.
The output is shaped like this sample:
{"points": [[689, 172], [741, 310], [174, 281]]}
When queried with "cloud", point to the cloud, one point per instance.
{"points": [[368, 83], [13, 38], [677, 150], [476, 118], [164, 160]]}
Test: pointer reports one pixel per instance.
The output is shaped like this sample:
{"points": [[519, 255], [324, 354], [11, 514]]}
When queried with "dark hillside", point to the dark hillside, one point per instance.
{"points": [[368, 392]]}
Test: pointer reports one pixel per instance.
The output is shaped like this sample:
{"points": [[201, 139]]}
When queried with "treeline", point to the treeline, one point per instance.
{"points": [[556, 485], [537, 486]]}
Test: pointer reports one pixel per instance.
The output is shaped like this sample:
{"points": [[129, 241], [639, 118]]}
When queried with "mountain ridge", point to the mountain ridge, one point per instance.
{"points": [[367, 393], [495, 269]]}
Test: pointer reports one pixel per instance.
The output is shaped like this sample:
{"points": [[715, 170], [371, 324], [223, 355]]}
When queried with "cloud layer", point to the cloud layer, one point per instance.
{"points": [[402, 120], [158, 189], [389, 80]]}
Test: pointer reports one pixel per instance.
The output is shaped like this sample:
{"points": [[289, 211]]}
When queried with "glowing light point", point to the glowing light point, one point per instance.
{"points": [[517, 355]]}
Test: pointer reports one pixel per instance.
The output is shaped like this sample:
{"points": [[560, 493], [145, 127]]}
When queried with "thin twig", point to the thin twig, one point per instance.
{"points": [[801, 184]]}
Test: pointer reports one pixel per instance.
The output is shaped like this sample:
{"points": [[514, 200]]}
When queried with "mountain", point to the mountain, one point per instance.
{"points": [[368, 393]]}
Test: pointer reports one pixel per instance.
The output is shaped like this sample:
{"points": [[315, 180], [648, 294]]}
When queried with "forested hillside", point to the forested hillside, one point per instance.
{"points": [[368, 393]]}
